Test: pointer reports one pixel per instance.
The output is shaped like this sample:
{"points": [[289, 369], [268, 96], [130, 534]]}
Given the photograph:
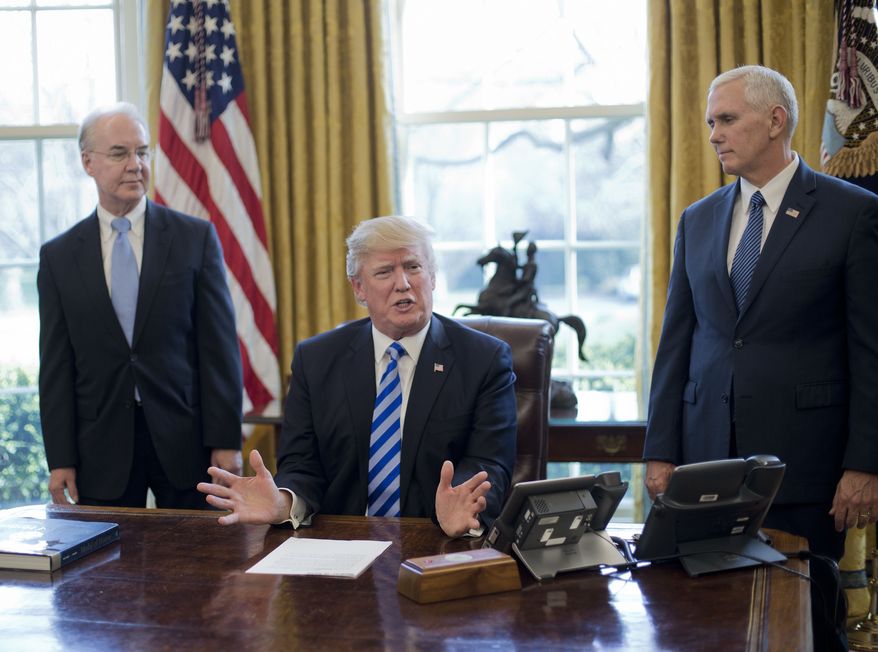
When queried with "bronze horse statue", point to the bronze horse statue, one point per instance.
{"points": [[508, 295]]}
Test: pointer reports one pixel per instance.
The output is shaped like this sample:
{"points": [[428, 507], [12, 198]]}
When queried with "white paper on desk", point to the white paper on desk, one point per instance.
{"points": [[327, 557]]}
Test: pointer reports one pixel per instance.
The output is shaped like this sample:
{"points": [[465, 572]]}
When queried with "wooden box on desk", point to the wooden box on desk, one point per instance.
{"points": [[457, 575]]}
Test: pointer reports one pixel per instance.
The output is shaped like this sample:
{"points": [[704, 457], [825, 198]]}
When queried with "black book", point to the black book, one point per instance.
{"points": [[48, 544]]}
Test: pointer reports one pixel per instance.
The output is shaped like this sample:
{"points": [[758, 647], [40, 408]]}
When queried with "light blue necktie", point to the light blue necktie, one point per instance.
{"points": [[385, 443], [747, 253], [124, 278]]}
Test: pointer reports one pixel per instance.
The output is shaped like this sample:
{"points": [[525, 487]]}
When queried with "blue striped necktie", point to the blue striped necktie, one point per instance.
{"points": [[385, 443], [124, 278], [747, 253]]}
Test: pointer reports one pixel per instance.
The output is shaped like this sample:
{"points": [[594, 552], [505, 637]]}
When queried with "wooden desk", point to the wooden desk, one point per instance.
{"points": [[177, 582]]}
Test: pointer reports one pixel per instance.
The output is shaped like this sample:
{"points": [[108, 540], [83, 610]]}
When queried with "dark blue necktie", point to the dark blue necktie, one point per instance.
{"points": [[747, 253], [124, 278], [385, 443]]}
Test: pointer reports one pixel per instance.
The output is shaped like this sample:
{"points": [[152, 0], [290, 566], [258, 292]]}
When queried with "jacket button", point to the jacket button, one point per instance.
{"points": [[128, 405], [133, 357], [739, 343], [724, 398]]}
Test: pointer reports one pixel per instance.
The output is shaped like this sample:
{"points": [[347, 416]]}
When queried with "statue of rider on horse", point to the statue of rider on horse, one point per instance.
{"points": [[511, 292]]}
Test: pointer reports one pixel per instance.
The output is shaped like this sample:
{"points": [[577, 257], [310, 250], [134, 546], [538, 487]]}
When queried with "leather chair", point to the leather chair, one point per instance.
{"points": [[531, 341]]}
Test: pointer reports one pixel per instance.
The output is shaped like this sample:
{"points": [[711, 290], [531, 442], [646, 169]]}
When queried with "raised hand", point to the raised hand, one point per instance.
{"points": [[252, 499], [457, 508]]}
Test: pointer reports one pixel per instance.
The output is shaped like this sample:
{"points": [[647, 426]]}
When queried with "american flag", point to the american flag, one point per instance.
{"points": [[206, 166]]}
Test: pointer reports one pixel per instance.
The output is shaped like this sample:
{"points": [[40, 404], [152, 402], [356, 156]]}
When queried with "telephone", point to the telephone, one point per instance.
{"points": [[550, 524], [710, 514]]}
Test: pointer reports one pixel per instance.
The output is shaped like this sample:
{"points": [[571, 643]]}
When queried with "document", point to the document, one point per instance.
{"points": [[327, 557]]}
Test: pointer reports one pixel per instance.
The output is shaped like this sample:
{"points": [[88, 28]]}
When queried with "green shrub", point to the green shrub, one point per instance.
{"points": [[23, 474]]}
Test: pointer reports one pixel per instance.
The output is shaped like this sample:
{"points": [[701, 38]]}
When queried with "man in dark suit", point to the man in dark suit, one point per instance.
{"points": [[140, 372], [455, 406], [784, 362]]}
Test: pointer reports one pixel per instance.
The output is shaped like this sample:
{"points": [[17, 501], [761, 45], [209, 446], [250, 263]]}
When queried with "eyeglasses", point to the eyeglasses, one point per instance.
{"points": [[121, 154]]}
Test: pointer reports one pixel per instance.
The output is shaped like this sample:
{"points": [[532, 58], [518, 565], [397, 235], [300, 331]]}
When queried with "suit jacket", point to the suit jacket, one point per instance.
{"points": [[462, 410], [184, 357], [800, 363]]}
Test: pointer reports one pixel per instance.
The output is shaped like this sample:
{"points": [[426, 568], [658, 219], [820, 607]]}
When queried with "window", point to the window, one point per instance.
{"points": [[523, 115], [67, 60]]}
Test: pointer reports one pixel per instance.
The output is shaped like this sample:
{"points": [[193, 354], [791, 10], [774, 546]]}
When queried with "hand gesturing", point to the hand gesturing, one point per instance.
{"points": [[457, 508], [253, 499]]}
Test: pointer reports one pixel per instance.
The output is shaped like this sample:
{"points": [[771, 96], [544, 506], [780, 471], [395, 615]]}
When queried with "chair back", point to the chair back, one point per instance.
{"points": [[531, 341]]}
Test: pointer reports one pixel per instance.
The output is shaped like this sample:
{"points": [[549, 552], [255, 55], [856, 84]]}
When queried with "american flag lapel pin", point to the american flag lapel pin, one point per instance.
{"points": [[438, 368], [792, 212]]}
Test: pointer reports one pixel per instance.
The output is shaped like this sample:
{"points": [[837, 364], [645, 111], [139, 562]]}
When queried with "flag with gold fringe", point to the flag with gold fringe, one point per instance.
{"points": [[206, 166], [849, 147]]}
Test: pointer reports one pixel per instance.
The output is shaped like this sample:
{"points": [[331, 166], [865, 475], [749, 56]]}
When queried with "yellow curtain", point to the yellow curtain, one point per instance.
{"points": [[313, 73], [689, 43]]}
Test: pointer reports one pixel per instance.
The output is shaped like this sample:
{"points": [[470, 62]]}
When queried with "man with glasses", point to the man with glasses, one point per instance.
{"points": [[140, 371]]}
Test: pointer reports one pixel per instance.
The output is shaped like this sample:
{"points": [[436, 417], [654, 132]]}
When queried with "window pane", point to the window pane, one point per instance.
{"points": [[549, 280], [19, 228], [521, 53], [446, 167], [458, 280], [69, 192], [16, 102], [23, 474], [24, 478], [532, 55], [451, 80], [612, 37], [608, 286], [529, 173], [610, 162], [19, 321], [73, 78]]}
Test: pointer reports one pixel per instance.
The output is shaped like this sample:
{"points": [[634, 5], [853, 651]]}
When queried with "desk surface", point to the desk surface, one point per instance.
{"points": [[177, 582]]}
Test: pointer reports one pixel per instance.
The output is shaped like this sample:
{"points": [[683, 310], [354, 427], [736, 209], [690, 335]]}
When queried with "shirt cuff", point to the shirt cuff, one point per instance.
{"points": [[298, 511]]}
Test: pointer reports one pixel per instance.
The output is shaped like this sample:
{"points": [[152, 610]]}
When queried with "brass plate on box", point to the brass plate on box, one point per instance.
{"points": [[457, 575]]}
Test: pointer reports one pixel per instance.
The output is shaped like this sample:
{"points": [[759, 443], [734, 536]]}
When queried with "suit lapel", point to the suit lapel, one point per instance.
{"points": [[157, 238], [722, 215], [89, 261], [796, 201], [426, 385], [359, 382]]}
